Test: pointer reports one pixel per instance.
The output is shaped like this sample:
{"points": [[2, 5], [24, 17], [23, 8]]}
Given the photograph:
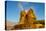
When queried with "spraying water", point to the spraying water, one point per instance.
{"points": [[20, 6]]}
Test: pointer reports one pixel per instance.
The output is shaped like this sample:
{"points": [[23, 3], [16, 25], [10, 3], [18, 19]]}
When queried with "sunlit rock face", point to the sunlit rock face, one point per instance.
{"points": [[22, 17], [31, 16]]}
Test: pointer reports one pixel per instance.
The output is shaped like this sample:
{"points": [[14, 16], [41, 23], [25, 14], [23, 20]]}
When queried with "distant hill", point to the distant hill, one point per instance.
{"points": [[9, 25]]}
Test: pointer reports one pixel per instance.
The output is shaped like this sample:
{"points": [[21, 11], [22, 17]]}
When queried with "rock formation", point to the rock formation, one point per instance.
{"points": [[27, 20], [28, 17]]}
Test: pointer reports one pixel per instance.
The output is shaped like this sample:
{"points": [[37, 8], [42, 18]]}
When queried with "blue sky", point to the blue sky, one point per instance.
{"points": [[14, 8]]}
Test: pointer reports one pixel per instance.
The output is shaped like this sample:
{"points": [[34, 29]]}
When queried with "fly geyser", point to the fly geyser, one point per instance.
{"points": [[27, 20]]}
